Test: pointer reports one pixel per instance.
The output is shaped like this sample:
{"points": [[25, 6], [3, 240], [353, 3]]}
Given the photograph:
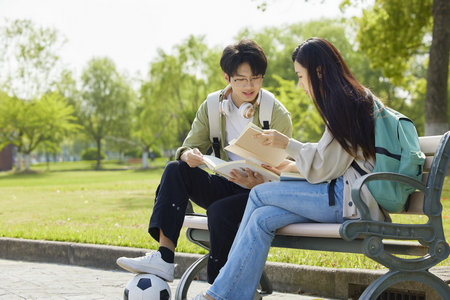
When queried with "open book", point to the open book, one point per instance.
{"points": [[291, 176], [250, 148], [224, 168]]}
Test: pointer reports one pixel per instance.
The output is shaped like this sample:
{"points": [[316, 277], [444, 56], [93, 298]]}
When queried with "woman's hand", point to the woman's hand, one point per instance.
{"points": [[250, 179], [286, 166], [273, 138], [192, 157]]}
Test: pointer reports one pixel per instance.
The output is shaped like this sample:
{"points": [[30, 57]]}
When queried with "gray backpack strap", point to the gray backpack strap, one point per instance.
{"points": [[212, 102], [266, 103]]}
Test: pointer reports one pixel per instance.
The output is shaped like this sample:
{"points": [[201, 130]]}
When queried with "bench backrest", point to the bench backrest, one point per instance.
{"points": [[429, 145]]}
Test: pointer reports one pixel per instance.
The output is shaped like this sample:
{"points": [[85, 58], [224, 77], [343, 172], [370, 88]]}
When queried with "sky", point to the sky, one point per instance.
{"points": [[130, 31]]}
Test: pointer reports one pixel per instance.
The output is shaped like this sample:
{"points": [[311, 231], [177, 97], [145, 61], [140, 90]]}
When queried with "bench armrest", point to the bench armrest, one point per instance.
{"points": [[358, 184]]}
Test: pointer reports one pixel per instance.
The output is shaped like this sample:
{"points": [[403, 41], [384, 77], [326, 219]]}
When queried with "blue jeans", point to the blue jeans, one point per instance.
{"points": [[271, 206]]}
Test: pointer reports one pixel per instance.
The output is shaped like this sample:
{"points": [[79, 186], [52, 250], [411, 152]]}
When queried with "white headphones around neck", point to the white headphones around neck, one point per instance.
{"points": [[246, 110]]}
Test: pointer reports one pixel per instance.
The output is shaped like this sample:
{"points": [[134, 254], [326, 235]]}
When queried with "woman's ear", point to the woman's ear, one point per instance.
{"points": [[319, 72], [226, 77]]}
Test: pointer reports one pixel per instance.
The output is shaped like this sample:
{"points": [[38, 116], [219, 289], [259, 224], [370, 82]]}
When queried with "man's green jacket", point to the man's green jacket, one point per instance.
{"points": [[198, 136]]}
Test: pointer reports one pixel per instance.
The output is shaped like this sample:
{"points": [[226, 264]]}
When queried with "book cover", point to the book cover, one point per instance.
{"points": [[291, 176], [250, 148]]}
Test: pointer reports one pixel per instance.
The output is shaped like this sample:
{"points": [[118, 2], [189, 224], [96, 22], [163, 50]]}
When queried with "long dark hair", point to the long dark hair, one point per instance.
{"points": [[343, 103]]}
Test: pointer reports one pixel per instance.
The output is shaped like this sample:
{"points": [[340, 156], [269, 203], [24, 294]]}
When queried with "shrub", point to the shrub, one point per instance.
{"points": [[156, 152], [137, 153], [91, 154]]}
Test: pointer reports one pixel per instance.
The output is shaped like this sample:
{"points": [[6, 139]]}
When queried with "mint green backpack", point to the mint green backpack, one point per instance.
{"points": [[397, 150]]}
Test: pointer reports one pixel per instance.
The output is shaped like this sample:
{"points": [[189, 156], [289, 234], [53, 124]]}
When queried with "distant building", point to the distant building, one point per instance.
{"points": [[6, 158]]}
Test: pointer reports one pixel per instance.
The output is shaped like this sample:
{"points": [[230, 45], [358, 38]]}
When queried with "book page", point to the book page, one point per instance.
{"points": [[240, 165], [247, 146], [212, 161]]}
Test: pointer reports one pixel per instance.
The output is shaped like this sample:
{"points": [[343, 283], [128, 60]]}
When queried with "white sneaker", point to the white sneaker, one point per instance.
{"points": [[257, 296], [151, 263]]}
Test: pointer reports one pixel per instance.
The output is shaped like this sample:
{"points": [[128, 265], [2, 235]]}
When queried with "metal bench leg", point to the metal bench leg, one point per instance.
{"points": [[188, 276], [377, 287], [266, 286]]}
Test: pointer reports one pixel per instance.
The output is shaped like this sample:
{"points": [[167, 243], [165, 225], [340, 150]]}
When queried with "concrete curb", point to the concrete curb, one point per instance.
{"points": [[288, 278]]}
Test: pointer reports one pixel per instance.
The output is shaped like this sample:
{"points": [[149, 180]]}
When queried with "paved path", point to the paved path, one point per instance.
{"points": [[31, 280]]}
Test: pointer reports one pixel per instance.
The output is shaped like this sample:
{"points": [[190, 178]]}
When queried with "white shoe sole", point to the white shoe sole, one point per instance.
{"points": [[139, 269]]}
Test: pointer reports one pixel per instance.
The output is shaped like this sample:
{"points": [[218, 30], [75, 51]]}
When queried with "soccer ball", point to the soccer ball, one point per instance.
{"points": [[146, 287]]}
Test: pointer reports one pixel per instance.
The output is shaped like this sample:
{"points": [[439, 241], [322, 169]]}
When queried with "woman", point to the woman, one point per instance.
{"points": [[346, 108]]}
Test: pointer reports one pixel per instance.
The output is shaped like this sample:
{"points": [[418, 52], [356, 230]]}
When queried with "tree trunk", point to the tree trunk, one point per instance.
{"points": [[436, 119], [145, 158], [18, 162], [27, 161], [99, 154]]}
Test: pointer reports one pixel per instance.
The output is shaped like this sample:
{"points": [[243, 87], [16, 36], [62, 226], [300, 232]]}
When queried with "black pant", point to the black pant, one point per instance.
{"points": [[225, 203]]}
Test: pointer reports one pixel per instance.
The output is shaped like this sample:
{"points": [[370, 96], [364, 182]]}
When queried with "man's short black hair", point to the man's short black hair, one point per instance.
{"points": [[245, 51]]}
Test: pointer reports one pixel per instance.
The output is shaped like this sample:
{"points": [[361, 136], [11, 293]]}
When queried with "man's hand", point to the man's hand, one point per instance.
{"points": [[249, 179], [193, 157], [273, 138]]}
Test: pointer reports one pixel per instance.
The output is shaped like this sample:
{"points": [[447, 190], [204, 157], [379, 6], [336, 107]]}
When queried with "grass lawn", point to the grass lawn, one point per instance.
{"points": [[72, 202]]}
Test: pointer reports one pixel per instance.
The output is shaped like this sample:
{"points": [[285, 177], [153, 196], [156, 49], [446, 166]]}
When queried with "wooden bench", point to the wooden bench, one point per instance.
{"points": [[375, 239]]}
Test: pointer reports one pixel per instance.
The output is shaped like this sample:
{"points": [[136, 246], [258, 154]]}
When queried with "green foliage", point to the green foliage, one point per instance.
{"points": [[137, 153], [176, 86], [28, 58], [10, 108], [392, 35], [112, 115], [105, 105], [396, 37], [307, 125], [28, 124], [91, 154]]}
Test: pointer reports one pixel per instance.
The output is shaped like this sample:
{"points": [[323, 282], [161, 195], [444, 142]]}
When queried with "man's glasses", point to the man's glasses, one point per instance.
{"points": [[243, 82]]}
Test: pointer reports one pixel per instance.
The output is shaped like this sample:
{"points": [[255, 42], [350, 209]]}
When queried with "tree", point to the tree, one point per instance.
{"points": [[10, 120], [28, 58], [30, 124], [178, 82], [152, 121], [105, 104], [436, 108], [396, 36]]}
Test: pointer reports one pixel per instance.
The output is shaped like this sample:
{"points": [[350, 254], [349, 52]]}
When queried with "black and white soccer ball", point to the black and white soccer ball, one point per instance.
{"points": [[147, 287]]}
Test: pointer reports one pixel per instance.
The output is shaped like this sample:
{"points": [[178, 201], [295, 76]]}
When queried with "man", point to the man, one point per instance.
{"points": [[243, 65]]}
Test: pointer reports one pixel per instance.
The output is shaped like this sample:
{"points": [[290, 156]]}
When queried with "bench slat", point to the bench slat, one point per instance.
{"points": [[311, 236], [327, 230], [427, 164], [429, 144], [197, 222], [415, 204]]}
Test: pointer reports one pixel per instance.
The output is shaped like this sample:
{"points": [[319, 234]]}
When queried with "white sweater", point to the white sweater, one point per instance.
{"points": [[327, 160]]}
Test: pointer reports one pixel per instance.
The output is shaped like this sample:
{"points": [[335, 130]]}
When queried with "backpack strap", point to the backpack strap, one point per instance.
{"points": [[266, 102], [212, 102], [358, 168]]}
